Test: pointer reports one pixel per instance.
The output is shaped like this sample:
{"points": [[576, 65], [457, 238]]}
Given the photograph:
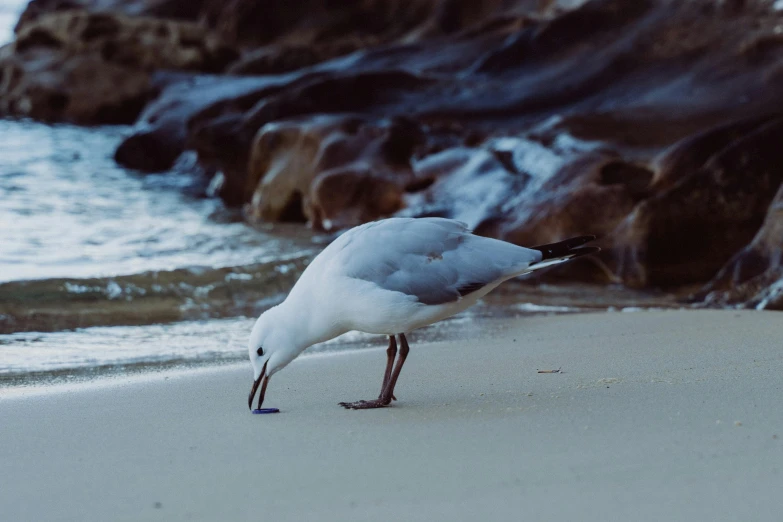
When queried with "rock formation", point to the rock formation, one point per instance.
{"points": [[652, 123], [754, 275], [91, 68]]}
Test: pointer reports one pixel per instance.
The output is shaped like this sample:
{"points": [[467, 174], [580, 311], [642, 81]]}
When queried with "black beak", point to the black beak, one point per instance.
{"points": [[256, 383]]}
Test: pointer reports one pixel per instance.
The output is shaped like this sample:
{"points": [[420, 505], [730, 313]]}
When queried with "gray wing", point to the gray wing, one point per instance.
{"points": [[434, 259]]}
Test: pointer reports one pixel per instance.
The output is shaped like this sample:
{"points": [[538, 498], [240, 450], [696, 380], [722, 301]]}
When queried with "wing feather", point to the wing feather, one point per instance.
{"points": [[436, 260]]}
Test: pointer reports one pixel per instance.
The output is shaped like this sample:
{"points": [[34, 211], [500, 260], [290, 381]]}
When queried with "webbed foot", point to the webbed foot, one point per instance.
{"points": [[366, 405]]}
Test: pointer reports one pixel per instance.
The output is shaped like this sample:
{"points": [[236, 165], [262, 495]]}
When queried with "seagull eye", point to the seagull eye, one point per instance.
{"points": [[260, 351]]}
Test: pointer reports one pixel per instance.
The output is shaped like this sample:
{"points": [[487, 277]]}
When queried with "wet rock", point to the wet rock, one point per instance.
{"points": [[313, 21], [164, 128], [578, 65], [283, 59], [334, 171], [96, 68], [469, 184], [647, 122], [222, 135], [592, 193], [688, 231], [355, 194], [54, 87], [754, 276], [527, 193], [37, 8], [220, 116], [143, 43], [167, 9], [285, 159]]}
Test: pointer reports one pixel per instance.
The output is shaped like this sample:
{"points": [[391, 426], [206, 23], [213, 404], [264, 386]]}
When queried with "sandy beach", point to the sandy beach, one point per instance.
{"points": [[655, 416]]}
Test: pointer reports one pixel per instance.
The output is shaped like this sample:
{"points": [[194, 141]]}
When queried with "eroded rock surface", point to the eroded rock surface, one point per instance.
{"points": [[335, 171]]}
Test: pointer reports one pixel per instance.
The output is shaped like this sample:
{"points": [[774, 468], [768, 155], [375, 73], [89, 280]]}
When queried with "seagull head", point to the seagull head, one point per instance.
{"points": [[271, 347]]}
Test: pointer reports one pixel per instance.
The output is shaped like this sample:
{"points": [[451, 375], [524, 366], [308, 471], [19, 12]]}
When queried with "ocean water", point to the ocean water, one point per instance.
{"points": [[68, 210]]}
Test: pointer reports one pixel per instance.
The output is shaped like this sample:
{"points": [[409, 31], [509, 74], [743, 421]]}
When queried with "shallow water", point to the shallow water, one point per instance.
{"points": [[43, 358], [68, 210], [33, 358]]}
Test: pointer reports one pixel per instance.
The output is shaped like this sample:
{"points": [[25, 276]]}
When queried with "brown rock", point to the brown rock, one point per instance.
{"points": [[637, 76], [283, 59], [52, 86], [687, 232], [307, 22], [96, 68], [143, 43], [754, 276], [335, 171], [168, 9], [591, 193], [528, 193], [37, 8], [348, 196], [223, 132], [284, 162], [667, 106], [198, 110]]}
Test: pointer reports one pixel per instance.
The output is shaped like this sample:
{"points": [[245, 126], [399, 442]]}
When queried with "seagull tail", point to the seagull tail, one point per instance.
{"points": [[556, 253]]}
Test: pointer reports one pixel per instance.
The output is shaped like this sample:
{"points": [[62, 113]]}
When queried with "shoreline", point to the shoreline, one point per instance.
{"points": [[656, 415], [83, 353]]}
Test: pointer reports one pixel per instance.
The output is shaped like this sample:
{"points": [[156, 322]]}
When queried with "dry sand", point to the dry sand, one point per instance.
{"points": [[655, 416]]}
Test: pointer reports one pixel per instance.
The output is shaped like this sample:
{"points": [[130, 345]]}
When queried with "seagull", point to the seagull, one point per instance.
{"points": [[390, 277]]}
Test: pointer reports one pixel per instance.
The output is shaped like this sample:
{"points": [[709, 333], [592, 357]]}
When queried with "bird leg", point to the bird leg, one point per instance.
{"points": [[391, 353], [388, 393], [389, 381]]}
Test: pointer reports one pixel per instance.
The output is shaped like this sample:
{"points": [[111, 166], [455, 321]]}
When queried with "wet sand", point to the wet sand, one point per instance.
{"points": [[655, 416]]}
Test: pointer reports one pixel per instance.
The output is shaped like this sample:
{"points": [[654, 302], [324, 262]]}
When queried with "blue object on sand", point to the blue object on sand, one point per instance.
{"points": [[266, 410]]}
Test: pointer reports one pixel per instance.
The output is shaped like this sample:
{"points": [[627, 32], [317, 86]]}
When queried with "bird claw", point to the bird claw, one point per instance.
{"points": [[365, 405]]}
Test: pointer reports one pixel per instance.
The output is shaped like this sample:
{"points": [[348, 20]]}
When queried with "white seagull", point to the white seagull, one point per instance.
{"points": [[390, 277]]}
